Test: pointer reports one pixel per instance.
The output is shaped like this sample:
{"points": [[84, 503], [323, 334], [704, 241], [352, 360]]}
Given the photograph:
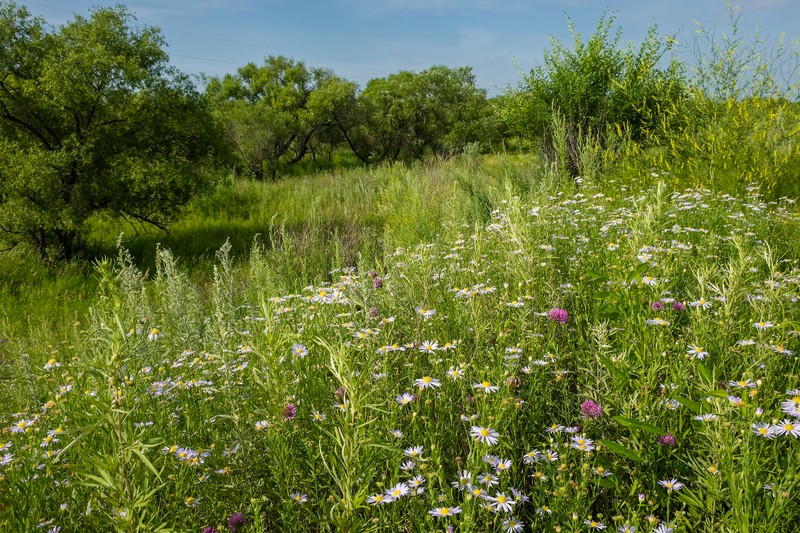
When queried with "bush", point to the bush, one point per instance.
{"points": [[596, 85]]}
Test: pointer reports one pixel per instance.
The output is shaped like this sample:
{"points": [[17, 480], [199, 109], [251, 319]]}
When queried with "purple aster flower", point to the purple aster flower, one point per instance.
{"points": [[589, 409], [236, 522], [667, 440], [678, 306], [656, 306], [289, 412], [558, 315], [209, 529]]}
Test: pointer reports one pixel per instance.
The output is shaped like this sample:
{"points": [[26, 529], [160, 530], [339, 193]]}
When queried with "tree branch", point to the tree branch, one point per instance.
{"points": [[143, 218]]}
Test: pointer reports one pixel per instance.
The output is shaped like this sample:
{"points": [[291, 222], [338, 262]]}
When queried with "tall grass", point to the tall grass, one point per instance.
{"points": [[436, 371]]}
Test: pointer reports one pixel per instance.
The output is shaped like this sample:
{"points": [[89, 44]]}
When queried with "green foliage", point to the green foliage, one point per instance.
{"points": [[271, 388], [276, 113], [438, 111], [596, 85], [739, 125], [93, 121]]}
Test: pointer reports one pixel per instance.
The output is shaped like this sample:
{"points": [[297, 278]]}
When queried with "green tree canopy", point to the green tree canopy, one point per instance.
{"points": [[595, 84], [93, 120], [274, 112], [438, 110]]}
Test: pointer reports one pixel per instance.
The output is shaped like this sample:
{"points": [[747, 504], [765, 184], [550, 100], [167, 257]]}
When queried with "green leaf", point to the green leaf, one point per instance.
{"points": [[704, 372], [619, 449], [637, 424], [619, 374], [694, 406], [145, 460]]}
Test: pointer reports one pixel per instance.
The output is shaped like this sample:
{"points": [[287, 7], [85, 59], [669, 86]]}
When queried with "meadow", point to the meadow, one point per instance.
{"points": [[474, 345]]}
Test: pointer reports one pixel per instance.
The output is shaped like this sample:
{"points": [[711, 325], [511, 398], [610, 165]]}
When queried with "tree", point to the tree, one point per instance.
{"points": [[93, 121], [436, 111], [274, 112], [595, 84]]}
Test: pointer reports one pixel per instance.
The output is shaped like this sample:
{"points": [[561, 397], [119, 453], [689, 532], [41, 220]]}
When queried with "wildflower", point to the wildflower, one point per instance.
{"points": [[22, 425], [696, 352], [763, 430], [289, 412], [581, 443], [512, 525], [455, 373], [476, 492], [425, 313], [428, 347], [671, 484], [299, 497], [532, 457], [444, 511], [558, 315], [262, 424], [503, 465], [210, 529], [761, 326], [405, 398], [408, 465], [299, 350], [741, 384], [6, 459], [679, 307], [551, 455], [589, 409], [51, 363], [236, 522], [154, 334], [657, 306], [787, 427], [484, 435], [316, 416], [427, 382], [488, 479], [667, 440], [396, 433], [625, 528], [464, 480], [656, 322], [792, 406], [593, 524], [191, 501], [398, 491], [486, 387], [519, 496], [375, 499], [501, 502], [413, 451], [702, 303], [708, 417], [649, 280], [663, 527]]}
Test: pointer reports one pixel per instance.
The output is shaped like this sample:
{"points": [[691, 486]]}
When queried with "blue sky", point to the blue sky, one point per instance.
{"points": [[364, 39]]}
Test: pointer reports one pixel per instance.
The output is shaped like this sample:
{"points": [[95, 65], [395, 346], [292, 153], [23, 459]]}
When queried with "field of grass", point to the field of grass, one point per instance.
{"points": [[468, 346]]}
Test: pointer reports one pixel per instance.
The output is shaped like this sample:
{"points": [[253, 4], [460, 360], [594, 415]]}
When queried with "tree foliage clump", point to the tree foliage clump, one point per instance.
{"points": [[93, 121], [276, 113], [434, 112], [595, 87]]}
